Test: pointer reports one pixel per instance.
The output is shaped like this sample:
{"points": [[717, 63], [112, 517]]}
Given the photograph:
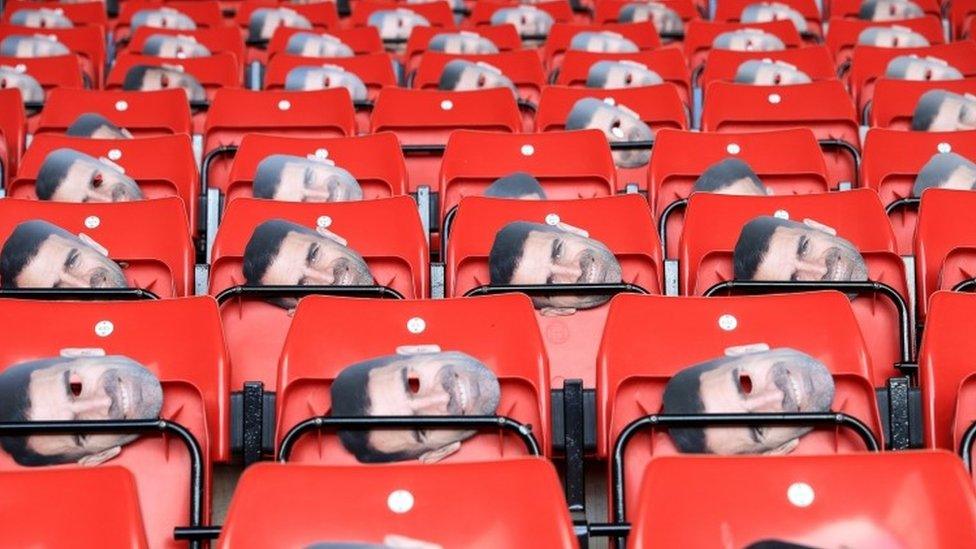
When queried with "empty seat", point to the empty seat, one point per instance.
{"points": [[814, 61], [668, 63], [945, 243], [504, 37], [81, 507], [150, 238], [892, 160], [561, 35], [700, 34], [88, 43], [622, 223], [387, 233], [13, 131], [516, 503], [731, 11], [712, 227], [682, 332], [374, 160], [236, 112], [824, 107], [178, 340], [807, 500], [142, 113], [895, 100], [361, 40], [499, 331], [843, 33], [787, 161]]}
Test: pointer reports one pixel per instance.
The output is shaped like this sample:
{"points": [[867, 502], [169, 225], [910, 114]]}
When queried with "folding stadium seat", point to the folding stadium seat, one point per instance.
{"points": [[178, 340], [142, 113], [88, 43], [712, 227], [944, 243], [150, 238], [807, 500], [608, 11], [561, 35], [657, 106], [424, 119], [894, 100], [560, 10], [568, 165], [622, 223], [13, 132], [843, 33], [731, 11], [323, 16], [216, 39], [700, 34], [61, 71], [387, 233], [722, 65], [362, 40], [374, 160], [505, 38], [163, 166], [204, 14], [960, 17], [681, 332], [234, 113], [672, 172], [868, 65], [850, 9], [515, 503], [892, 160], [81, 14], [91, 507], [823, 106], [668, 63], [500, 331]]}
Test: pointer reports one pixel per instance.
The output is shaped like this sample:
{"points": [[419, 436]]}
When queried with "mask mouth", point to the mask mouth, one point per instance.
{"points": [[792, 387]]}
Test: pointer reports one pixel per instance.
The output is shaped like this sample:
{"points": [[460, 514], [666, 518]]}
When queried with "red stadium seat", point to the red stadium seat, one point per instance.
{"points": [[712, 227], [80, 15], [961, 14], [843, 33], [522, 67], [234, 113], [163, 166], [807, 500], [672, 172], [374, 160], [515, 503], [216, 39], [686, 331], [205, 14], [180, 341], [608, 11], [387, 233], [824, 107], [142, 113], [722, 65], [505, 38], [150, 237], [731, 11], [61, 71], [643, 35], [500, 331], [892, 160], [82, 507], [668, 63], [362, 40], [13, 131], [868, 65], [622, 223], [322, 15], [945, 243], [700, 34], [88, 43], [894, 100]]}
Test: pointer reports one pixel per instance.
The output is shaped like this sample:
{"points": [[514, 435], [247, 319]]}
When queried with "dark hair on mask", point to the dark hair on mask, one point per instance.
{"points": [[937, 170], [350, 398], [753, 243], [256, 23], [267, 177], [451, 73], [515, 185], [14, 407], [776, 544], [506, 250], [682, 395], [135, 76], [53, 171], [154, 44], [295, 79], [21, 247], [8, 46], [725, 172], [263, 247], [582, 112], [86, 125], [868, 8], [627, 13], [927, 108]]}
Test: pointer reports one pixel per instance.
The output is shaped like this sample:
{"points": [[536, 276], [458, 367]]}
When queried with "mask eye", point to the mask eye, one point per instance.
{"points": [[778, 79], [745, 382], [97, 181], [414, 384], [628, 79], [928, 74], [3, 83], [481, 80], [74, 383]]}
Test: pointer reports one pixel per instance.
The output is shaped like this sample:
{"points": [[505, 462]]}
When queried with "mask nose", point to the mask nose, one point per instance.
{"points": [[565, 274], [432, 403], [93, 407], [767, 399], [315, 277]]}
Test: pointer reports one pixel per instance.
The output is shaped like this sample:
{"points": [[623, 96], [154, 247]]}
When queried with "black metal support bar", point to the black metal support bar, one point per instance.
{"points": [[79, 294], [185, 533], [574, 444], [631, 145], [722, 420], [850, 149], [696, 76], [202, 105], [899, 413], [867, 287], [609, 530], [662, 224], [908, 203], [557, 289], [964, 286], [422, 149], [966, 446], [524, 432], [270, 292], [28, 428], [253, 419], [208, 160]]}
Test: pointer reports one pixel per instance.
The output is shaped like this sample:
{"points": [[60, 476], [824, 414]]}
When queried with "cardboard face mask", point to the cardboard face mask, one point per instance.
{"points": [[302, 179]]}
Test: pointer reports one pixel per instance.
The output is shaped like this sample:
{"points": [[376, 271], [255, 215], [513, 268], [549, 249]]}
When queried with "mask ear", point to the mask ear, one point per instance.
{"points": [[434, 456], [101, 457], [572, 229], [557, 311], [818, 226], [783, 449], [331, 235], [92, 244]]}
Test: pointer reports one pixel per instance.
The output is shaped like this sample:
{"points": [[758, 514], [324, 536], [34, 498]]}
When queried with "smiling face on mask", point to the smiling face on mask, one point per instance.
{"points": [[766, 72], [306, 44], [32, 46], [618, 123], [151, 78], [30, 89], [748, 40], [70, 176]]}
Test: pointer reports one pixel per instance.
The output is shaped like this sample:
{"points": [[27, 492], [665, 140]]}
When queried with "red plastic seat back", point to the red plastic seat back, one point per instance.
{"points": [[499, 331], [945, 243], [933, 486], [88, 43], [179, 340], [362, 40], [895, 100], [672, 172], [273, 497], [815, 61], [699, 35], [679, 333], [668, 63], [843, 33], [504, 37], [712, 227], [13, 131], [561, 35], [386, 232], [150, 237], [142, 113], [824, 107], [96, 506]]}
